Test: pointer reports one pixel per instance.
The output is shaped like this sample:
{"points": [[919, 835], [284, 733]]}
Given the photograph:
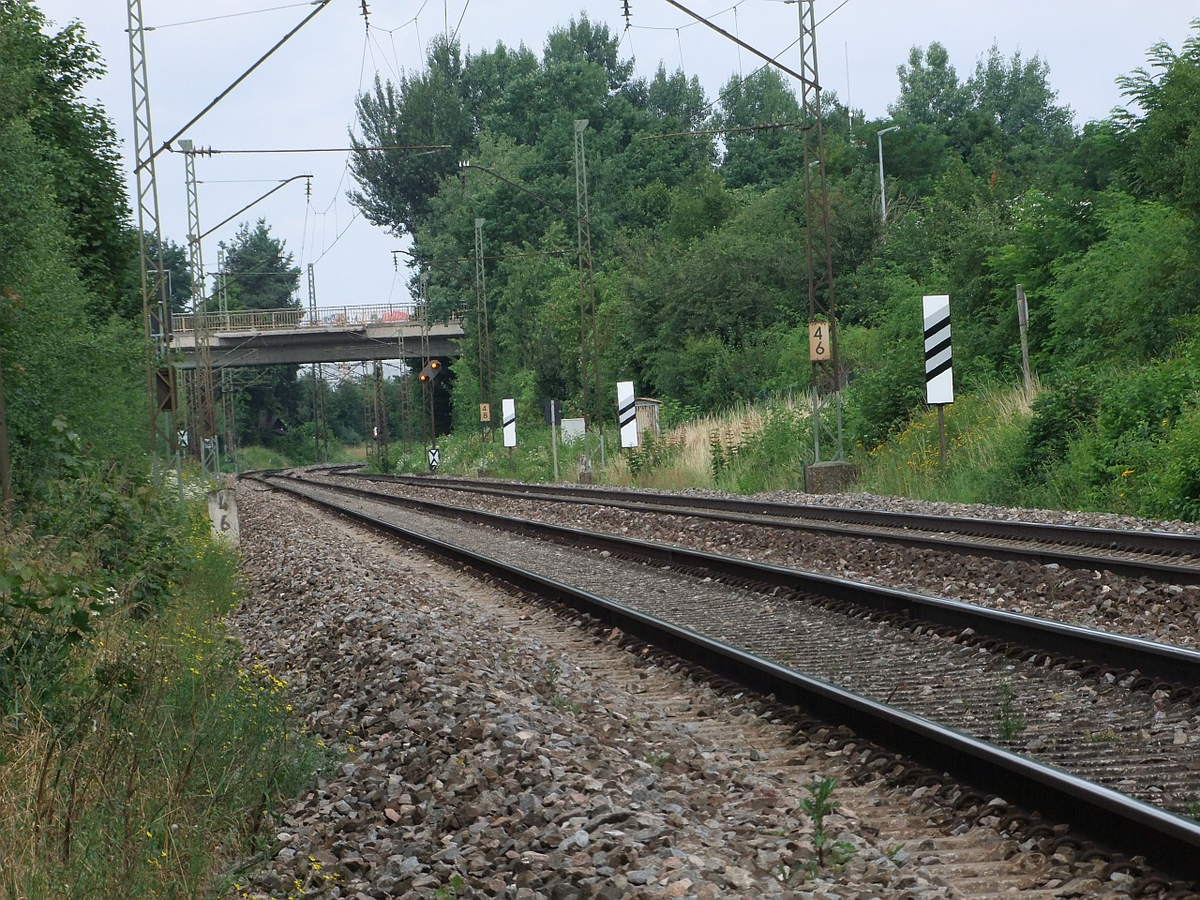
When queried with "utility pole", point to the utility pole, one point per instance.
{"points": [[820, 252], [205, 414], [406, 435], [156, 307], [228, 388], [381, 435], [821, 310], [882, 190], [589, 359], [320, 429], [427, 388], [484, 341]]}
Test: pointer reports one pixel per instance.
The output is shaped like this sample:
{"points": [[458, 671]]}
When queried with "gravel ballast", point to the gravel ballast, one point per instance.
{"points": [[486, 754]]}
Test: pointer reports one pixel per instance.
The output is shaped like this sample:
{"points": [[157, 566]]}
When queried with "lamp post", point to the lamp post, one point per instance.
{"points": [[882, 193]]}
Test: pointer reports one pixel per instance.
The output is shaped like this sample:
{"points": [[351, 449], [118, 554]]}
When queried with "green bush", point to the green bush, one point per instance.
{"points": [[772, 458], [1180, 486], [1058, 414]]}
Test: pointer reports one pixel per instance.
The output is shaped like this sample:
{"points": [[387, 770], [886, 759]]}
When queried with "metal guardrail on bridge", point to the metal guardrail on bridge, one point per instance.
{"points": [[278, 319]]}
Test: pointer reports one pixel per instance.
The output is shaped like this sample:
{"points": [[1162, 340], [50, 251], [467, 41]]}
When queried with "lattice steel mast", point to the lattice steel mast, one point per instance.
{"points": [[589, 359], [320, 428], [483, 339], [205, 413], [156, 306], [820, 253]]}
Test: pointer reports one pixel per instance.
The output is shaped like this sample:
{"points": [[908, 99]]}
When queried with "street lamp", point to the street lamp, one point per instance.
{"points": [[882, 193]]}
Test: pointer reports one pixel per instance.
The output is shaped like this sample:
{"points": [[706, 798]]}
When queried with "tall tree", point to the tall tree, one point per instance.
{"points": [[44, 74], [930, 91], [423, 110], [261, 276], [260, 269], [769, 148], [63, 352], [1166, 131]]}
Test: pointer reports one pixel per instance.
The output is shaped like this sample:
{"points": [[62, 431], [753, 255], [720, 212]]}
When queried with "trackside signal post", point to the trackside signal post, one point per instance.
{"points": [[939, 371], [432, 369]]}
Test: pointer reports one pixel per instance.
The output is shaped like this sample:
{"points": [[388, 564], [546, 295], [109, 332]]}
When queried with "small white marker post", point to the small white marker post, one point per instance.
{"points": [[508, 421], [939, 373], [627, 414]]}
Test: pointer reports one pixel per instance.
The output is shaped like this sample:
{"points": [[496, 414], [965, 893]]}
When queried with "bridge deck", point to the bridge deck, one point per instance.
{"points": [[269, 337]]}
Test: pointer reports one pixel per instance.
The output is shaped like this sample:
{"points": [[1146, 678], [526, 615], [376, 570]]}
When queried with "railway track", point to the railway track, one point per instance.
{"points": [[1123, 744], [1162, 556]]}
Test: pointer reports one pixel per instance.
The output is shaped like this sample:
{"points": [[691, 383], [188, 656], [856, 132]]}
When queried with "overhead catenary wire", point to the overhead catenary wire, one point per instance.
{"points": [[460, 21], [430, 148], [221, 96], [236, 15], [767, 126]]}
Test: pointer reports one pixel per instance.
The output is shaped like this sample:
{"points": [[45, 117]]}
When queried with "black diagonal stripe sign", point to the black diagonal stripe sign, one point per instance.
{"points": [[939, 374], [627, 414], [508, 420]]}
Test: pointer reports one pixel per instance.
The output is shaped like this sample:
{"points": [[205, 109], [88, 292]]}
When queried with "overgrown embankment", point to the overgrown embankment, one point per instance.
{"points": [[138, 756]]}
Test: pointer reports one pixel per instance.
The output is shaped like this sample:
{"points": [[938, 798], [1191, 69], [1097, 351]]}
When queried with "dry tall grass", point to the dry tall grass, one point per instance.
{"points": [[691, 448]]}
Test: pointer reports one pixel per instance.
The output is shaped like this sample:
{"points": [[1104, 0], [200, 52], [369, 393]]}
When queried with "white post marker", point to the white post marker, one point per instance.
{"points": [[627, 414], [939, 376], [508, 418]]}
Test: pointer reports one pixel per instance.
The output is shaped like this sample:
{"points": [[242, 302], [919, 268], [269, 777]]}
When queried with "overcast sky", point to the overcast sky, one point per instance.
{"points": [[303, 97]]}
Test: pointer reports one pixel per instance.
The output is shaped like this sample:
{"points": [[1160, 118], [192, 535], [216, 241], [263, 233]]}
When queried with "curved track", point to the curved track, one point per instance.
{"points": [[1168, 841], [1162, 556]]}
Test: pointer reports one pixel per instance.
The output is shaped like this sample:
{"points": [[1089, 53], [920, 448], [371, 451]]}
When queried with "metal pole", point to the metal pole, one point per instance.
{"points": [[204, 412], [483, 343], [589, 333], [554, 447], [160, 374], [819, 247], [882, 190]]}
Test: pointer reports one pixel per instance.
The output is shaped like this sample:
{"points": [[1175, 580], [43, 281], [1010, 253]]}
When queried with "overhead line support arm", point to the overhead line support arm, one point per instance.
{"points": [[737, 40], [262, 59]]}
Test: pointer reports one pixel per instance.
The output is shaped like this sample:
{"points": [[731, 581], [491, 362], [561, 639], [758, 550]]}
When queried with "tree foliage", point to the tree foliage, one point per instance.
{"points": [[43, 75], [64, 352], [261, 275]]}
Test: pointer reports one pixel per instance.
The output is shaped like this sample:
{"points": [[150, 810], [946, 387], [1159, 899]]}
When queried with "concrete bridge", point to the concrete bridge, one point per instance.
{"points": [[269, 337]]}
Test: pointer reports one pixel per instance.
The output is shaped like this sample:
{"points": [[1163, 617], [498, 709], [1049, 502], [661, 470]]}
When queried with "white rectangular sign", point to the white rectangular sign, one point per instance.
{"points": [[939, 376], [573, 429], [508, 418], [627, 414]]}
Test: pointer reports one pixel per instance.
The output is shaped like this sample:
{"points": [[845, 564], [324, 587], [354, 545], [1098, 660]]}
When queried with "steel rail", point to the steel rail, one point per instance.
{"points": [[1169, 843], [834, 520], [1175, 667]]}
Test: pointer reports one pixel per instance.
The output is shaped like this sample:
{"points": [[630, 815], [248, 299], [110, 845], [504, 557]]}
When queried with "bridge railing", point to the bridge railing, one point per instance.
{"points": [[274, 319]]}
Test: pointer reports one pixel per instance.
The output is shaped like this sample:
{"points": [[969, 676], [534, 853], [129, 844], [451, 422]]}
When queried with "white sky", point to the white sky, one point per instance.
{"points": [[303, 97]]}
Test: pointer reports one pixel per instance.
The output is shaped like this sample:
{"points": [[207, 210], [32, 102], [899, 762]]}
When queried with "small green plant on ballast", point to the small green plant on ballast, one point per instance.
{"points": [[825, 853], [1009, 723], [557, 700], [450, 891]]}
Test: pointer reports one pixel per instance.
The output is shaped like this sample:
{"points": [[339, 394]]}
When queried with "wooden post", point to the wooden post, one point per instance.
{"points": [[942, 435], [1023, 318]]}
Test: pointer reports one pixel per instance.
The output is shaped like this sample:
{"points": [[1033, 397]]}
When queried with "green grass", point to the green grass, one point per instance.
{"points": [[153, 764], [984, 430]]}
